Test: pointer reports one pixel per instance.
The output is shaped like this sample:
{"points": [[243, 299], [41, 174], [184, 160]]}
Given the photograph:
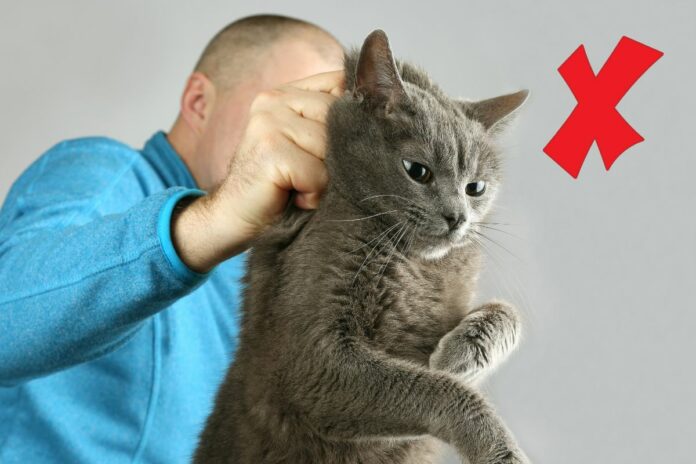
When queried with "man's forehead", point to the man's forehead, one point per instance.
{"points": [[288, 63], [296, 58]]}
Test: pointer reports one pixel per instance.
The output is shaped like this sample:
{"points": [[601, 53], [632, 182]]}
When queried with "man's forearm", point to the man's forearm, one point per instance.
{"points": [[67, 296]]}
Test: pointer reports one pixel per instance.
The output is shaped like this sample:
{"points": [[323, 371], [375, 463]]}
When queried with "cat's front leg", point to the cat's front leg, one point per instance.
{"points": [[480, 342], [362, 394]]}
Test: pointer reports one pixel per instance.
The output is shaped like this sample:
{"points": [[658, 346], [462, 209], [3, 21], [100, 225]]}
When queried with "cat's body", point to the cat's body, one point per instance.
{"points": [[410, 329], [341, 318]]}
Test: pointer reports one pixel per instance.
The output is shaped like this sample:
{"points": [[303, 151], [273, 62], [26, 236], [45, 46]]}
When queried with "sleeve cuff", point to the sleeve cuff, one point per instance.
{"points": [[164, 232]]}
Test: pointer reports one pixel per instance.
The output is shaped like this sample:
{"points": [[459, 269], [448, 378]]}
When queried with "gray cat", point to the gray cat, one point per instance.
{"points": [[359, 343]]}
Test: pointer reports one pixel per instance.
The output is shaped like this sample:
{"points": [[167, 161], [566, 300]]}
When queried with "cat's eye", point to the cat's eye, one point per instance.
{"points": [[475, 189], [417, 171]]}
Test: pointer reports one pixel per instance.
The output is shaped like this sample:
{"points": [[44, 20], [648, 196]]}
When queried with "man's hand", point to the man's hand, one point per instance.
{"points": [[282, 149]]}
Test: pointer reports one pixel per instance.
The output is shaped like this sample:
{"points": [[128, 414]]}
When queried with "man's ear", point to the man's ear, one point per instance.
{"points": [[377, 79], [197, 101], [494, 112]]}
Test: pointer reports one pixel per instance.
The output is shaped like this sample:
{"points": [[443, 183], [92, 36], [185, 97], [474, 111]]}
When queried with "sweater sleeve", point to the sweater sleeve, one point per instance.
{"points": [[71, 292]]}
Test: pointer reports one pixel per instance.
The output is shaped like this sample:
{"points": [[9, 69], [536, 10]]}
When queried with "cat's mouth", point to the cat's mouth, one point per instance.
{"points": [[445, 240], [452, 237]]}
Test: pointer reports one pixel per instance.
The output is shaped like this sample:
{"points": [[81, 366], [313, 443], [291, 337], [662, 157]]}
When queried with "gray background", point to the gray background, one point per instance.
{"points": [[603, 264]]}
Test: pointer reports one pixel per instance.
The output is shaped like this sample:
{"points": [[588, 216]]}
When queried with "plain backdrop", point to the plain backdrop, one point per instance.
{"points": [[603, 267]]}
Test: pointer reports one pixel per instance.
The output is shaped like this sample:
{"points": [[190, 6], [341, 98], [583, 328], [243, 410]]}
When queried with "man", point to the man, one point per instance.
{"points": [[118, 297]]}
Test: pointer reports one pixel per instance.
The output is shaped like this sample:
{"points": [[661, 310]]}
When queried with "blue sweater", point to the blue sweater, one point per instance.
{"points": [[111, 349]]}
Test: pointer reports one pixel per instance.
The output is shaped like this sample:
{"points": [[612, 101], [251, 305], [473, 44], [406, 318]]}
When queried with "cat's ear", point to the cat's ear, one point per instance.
{"points": [[494, 112], [377, 77]]}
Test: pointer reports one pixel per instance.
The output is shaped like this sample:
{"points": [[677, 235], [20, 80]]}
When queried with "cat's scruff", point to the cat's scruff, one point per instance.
{"points": [[359, 343]]}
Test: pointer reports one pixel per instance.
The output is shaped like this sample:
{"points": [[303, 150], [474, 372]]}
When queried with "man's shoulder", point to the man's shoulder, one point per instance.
{"points": [[106, 172], [91, 152]]}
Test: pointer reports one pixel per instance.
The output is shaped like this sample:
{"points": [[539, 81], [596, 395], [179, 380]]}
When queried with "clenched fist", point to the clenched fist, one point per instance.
{"points": [[281, 150]]}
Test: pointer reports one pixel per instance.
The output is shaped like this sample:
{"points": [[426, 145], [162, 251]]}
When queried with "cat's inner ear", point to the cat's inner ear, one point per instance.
{"points": [[495, 110], [377, 78]]}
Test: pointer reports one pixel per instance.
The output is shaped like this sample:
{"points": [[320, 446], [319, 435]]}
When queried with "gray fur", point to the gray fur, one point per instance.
{"points": [[359, 343]]}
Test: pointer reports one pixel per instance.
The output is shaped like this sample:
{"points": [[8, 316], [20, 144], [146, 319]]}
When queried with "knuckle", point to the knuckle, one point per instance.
{"points": [[328, 99], [324, 103], [261, 122], [266, 96]]}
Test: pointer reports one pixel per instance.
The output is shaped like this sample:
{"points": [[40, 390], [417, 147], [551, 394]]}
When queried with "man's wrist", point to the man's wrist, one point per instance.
{"points": [[203, 236]]}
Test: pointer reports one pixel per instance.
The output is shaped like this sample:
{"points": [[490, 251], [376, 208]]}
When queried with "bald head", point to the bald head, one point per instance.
{"points": [[249, 56], [239, 51]]}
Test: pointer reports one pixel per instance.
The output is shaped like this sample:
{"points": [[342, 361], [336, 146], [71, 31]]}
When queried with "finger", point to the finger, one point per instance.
{"points": [[300, 171], [307, 134], [329, 82], [307, 200], [309, 104]]}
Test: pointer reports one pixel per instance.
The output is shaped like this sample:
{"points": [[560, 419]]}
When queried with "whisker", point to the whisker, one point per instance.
{"points": [[497, 230], [373, 249], [367, 243], [399, 234], [362, 218], [514, 287], [500, 274], [494, 223], [407, 248], [383, 268], [496, 279], [482, 235]]}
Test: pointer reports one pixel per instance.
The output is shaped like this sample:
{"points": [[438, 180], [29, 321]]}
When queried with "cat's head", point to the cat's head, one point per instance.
{"points": [[398, 143]]}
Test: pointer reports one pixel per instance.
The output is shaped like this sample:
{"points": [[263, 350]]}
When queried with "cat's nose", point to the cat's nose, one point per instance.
{"points": [[454, 220]]}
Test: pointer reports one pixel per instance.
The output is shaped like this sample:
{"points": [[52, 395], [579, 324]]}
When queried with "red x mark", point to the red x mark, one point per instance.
{"points": [[595, 117]]}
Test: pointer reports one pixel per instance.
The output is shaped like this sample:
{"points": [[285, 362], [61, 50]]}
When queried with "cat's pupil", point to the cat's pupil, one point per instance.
{"points": [[417, 171], [476, 189]]}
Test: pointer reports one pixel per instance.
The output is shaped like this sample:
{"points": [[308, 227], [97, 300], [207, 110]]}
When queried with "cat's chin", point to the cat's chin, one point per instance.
{"points": [[446, 244], [436, 252]]}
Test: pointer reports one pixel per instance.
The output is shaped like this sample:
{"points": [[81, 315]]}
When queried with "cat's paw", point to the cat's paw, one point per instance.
{"points": [[507, 456], [481, 341]]}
